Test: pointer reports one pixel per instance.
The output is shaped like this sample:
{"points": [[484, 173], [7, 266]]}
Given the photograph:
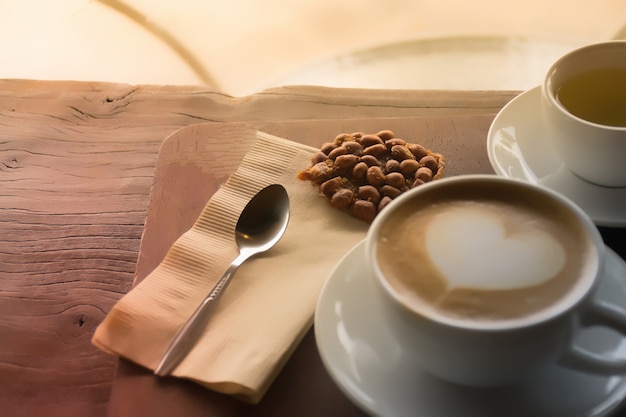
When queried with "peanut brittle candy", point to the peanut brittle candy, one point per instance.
{"points": [[361, 173]]}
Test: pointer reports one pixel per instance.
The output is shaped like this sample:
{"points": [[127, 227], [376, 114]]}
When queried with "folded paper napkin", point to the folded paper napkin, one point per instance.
{"points": [[270, 303]]}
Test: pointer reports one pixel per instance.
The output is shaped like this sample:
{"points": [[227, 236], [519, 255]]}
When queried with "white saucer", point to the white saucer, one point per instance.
{"points": [[449, 62], [367, 364], [518, 148]]}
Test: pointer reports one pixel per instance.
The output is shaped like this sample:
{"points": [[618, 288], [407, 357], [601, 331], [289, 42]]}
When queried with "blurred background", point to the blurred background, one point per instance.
{"points": [[241, 47]]}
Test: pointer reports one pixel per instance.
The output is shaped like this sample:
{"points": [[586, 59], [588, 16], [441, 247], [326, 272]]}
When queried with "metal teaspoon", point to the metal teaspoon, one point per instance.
{"points": [[261, 224]]}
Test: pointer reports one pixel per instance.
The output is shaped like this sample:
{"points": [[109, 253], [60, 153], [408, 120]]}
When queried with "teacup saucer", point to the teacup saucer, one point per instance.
{"points": [[518, 148], [381, 377]]}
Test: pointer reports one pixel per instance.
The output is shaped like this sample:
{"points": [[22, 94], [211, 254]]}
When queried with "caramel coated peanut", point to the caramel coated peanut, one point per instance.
{"points": [[318, 157], [341, 138], [342, 198], [386, 134], [360, 170], [364, 210], [321, 172], [424, 173], [353, 147], [392, 166], [329, 187], [375, 176], [346, 162], [369, 140], [327, 147], [418, 151], [417, 182], [370, 160], [408, 167], [383, 202], [401, 152], [340, 150], [430, 162], [390, 191], [395, 179], [395, 141], [357, 135], [369, 193], [378, 150]]}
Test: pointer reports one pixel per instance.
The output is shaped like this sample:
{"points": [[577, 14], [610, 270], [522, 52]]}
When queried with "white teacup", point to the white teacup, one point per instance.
{"points": [[486, 279], [584, 104]]}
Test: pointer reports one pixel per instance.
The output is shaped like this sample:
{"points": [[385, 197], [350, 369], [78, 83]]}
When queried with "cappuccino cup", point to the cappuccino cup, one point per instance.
{"points": [[486, 279], [584, 109]]}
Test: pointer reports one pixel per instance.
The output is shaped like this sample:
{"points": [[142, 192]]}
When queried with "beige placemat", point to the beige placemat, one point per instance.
{"points": [[270, 303]]}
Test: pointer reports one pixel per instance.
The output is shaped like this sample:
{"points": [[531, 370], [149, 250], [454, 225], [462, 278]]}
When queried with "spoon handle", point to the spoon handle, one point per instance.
{"points": [[192, 329]]}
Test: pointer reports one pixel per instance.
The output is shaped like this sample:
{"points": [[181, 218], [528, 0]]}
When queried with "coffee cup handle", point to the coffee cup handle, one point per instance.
{"points": [[604, 314]]}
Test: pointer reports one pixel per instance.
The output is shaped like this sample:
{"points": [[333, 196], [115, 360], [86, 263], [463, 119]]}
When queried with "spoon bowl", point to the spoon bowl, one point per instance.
{"points": [[264, 220], [261, 225]]}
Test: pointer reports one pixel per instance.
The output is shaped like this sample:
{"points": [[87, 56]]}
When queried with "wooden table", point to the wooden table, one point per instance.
{"points": [[76, 169]]}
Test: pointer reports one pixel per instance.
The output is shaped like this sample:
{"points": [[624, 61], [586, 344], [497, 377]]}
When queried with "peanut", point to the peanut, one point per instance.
{"points": [[369, 193], [430, 162], [417, 150], [379, 150], [383, 202], [424, 174], [341, 138], [346, 162], [327, 147], [340, 150], [390, 191], [392, 166], [417, 182], [329, 187], [353, 147], [395, 179], [370, 160], [408, 167], [360, 170], [369, 140], [342, 198], [386, 135], [318, 157], [401, 152], [321, 172], [364, 210], [395, 141], [375, 176]]}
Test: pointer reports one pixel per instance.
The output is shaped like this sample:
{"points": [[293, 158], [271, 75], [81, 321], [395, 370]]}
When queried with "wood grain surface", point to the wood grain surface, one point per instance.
{"points": [[76, 169]]}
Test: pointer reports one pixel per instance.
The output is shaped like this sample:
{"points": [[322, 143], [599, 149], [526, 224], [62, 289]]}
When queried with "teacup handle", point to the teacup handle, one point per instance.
{"points": [[604, 314]]}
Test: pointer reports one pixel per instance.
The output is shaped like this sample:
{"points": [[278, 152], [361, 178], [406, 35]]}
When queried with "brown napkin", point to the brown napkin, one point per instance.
{"points": [[269, 305]]}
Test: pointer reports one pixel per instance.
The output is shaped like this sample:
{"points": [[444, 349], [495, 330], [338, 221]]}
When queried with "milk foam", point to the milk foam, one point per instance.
{"points": [[475, 249]]}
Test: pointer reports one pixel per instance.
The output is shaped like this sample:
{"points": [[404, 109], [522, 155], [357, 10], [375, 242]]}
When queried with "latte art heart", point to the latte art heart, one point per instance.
{"points": [[475, 249]]}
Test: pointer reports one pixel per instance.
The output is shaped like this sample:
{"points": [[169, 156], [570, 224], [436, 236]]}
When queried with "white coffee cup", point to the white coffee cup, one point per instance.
{"points": [[506, 311], [584, 108]]}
